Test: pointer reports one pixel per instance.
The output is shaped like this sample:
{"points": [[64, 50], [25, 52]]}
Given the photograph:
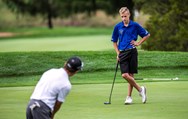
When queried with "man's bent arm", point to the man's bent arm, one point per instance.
{"points": [[56, 108]]}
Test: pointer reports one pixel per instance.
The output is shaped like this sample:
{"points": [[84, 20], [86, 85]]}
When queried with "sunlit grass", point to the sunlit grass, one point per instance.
{"points": [[86, 102], [75, 43]]}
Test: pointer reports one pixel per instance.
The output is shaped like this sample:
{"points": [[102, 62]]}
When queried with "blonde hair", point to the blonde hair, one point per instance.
{"points": [[124, 9]]}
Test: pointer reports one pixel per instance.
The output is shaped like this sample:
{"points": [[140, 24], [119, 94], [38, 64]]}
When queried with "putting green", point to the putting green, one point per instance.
{"points": [[72, 43], [166, 100]]}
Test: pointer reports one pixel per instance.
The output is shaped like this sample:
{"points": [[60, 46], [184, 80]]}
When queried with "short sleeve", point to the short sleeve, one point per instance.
{"points": [[141, 31], [115, 34], [63, 93]]}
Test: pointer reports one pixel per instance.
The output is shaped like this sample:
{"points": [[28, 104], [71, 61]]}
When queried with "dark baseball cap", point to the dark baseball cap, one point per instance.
{"points": [[74, 63]]}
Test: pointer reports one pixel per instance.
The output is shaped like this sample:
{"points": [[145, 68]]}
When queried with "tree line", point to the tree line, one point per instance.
{"points": [[167, 24], [50, 9]]}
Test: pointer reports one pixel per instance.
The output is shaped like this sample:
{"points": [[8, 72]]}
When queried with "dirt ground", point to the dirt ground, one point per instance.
{"points": [[6, 34]]}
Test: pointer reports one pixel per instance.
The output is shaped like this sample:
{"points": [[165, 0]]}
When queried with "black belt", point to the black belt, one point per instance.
{"points": [[127, 49]]}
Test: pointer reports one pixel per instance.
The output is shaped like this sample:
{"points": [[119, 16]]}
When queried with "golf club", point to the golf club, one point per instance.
{"points": [[109, 102]]}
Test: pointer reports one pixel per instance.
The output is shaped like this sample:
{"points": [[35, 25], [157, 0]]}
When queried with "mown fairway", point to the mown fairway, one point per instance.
{"points": [[166, 100], [71, 43], [20, 70]]}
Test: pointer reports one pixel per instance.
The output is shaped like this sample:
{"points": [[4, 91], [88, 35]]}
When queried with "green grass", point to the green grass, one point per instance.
{"points": [[21, 66], [36, 32], [25, 68], [166, 100], [71, 43]]}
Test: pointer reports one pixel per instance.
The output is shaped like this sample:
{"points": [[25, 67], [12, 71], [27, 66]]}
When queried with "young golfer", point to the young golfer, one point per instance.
{"points": [[51, 90], [124, 38]]}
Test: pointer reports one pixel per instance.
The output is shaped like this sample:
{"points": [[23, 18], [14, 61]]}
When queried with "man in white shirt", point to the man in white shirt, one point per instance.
{"points": [[51, 90]]}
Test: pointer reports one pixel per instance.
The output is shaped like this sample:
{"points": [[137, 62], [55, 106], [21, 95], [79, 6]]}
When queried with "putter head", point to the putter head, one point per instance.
{"points": [[107, 103]]}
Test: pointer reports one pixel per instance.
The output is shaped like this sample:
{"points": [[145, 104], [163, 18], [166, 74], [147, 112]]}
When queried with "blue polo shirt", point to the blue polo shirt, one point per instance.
{"points": [[124, 35]]}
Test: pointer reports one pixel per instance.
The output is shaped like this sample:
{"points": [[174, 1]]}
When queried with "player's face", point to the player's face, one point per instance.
{"points": [[125, 17]]}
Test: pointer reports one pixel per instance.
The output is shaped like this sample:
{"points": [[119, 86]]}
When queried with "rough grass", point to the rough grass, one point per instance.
{"points": [[31, 63], [25, 68]]}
